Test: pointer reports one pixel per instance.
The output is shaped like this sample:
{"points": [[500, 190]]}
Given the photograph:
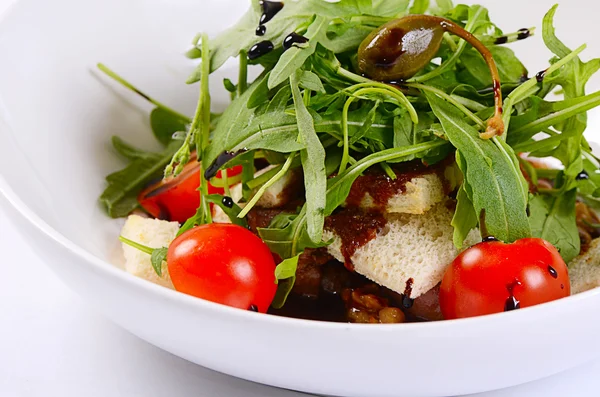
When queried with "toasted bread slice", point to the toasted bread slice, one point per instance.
{"points": [[152, 233], [411, 252], [584, 271]]}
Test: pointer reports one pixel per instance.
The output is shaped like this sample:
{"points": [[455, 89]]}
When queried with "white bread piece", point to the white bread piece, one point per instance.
{"points": [[417, 247], [584, 271], [152, 233], [274, 197], [419, 196]]}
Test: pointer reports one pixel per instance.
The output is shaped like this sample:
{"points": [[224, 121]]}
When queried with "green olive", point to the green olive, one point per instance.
{"points": [[401, 48]]}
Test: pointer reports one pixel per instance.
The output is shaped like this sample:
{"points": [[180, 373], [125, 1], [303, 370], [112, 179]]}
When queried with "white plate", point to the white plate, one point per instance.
{"points": [[56, 117]]}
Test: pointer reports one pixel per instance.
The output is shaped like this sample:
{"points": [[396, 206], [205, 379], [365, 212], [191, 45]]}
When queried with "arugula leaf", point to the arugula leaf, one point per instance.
{"points": [[465, 217], [493, 180], [477, 73], [310, 81], [294, 58], [158, 257], [573, 79], [164, 124], [285, 275], [419, 7], [387, 8], [130, 152], [553, 219], [236, 118], [231, 212], [120, 197], [313, 163]]}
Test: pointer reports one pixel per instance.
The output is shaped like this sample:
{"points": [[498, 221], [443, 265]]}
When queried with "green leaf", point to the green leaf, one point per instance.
{"points": [[310, 81], [313, 163], [553, 219], [445, 6], [419, 6], [345, 36], [493, 180], [465, 218], [164, 124], [120, 197], [158, 257], [231, 212], [285, 274], [294, 58], [387, 8], [129, 152], [403, 131], [235, 119], [477, 73]]}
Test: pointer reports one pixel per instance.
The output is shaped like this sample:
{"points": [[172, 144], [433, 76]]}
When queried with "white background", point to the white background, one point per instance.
{"points": [[52, 344]]}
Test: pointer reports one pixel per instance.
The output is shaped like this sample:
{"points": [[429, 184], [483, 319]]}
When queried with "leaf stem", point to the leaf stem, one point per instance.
{"points": [[131, 87], [137, 246], [284, 169], [243, 74], [450, 99]]}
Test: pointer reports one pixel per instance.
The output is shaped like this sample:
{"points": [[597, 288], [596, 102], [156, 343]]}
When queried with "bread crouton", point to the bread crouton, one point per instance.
{"points": [[411, 252], [152, 233], [584, 271]]}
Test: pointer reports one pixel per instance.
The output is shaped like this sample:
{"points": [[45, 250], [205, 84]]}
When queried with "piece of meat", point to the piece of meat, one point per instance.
{"points": [[309, 272], [426, 307]]}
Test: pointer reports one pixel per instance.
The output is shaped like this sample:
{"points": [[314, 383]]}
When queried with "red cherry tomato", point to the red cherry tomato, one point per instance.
{"points": [[177, 199], [493, 277], [223, 263]]}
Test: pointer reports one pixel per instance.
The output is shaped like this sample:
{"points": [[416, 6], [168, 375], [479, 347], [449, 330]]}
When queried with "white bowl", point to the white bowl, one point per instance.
{"points": [[56, 118]]}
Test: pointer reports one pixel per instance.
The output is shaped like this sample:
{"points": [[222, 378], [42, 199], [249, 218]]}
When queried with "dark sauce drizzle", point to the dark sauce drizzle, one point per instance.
{"points": [[540, 76], [523, 34], [553, 272], [227, 202], [583, 176], [270, 9], [261, 30], [221, 160], [253, 308], [501, 40], [489, 239], [407, 301], [512, 303], [293, 38], [260, 49]]}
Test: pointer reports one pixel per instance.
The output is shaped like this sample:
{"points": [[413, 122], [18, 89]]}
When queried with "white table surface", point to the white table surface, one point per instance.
{"points": [[53, 344]]}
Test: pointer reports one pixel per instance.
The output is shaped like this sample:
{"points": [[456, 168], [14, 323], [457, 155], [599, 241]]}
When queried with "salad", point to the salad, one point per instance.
{"points": [[388, 164]]}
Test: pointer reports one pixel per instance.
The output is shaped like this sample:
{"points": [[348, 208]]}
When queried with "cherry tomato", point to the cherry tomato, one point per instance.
{"points": [[493, 277], [223, 263], [177, 198]]}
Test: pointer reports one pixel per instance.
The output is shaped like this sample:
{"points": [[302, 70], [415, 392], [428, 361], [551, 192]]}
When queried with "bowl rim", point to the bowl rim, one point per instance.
{"points": [[194, 303]]}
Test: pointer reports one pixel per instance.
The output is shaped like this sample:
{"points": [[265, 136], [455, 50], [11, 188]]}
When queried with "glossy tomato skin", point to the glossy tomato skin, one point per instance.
{"points": [[492, 277], [223, 263], [177, 198]]}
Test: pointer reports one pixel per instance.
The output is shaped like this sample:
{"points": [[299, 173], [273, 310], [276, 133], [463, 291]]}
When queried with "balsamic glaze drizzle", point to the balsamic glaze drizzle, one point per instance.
{"points": [[220, 161], [253, 308], [261, 30], [501, 40], [540, 76], [583, 175], [293, 38], [512, 304], [260, 49], [227, 202], [489, 239], [270, 9], [553, 272], [523, 34]]}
